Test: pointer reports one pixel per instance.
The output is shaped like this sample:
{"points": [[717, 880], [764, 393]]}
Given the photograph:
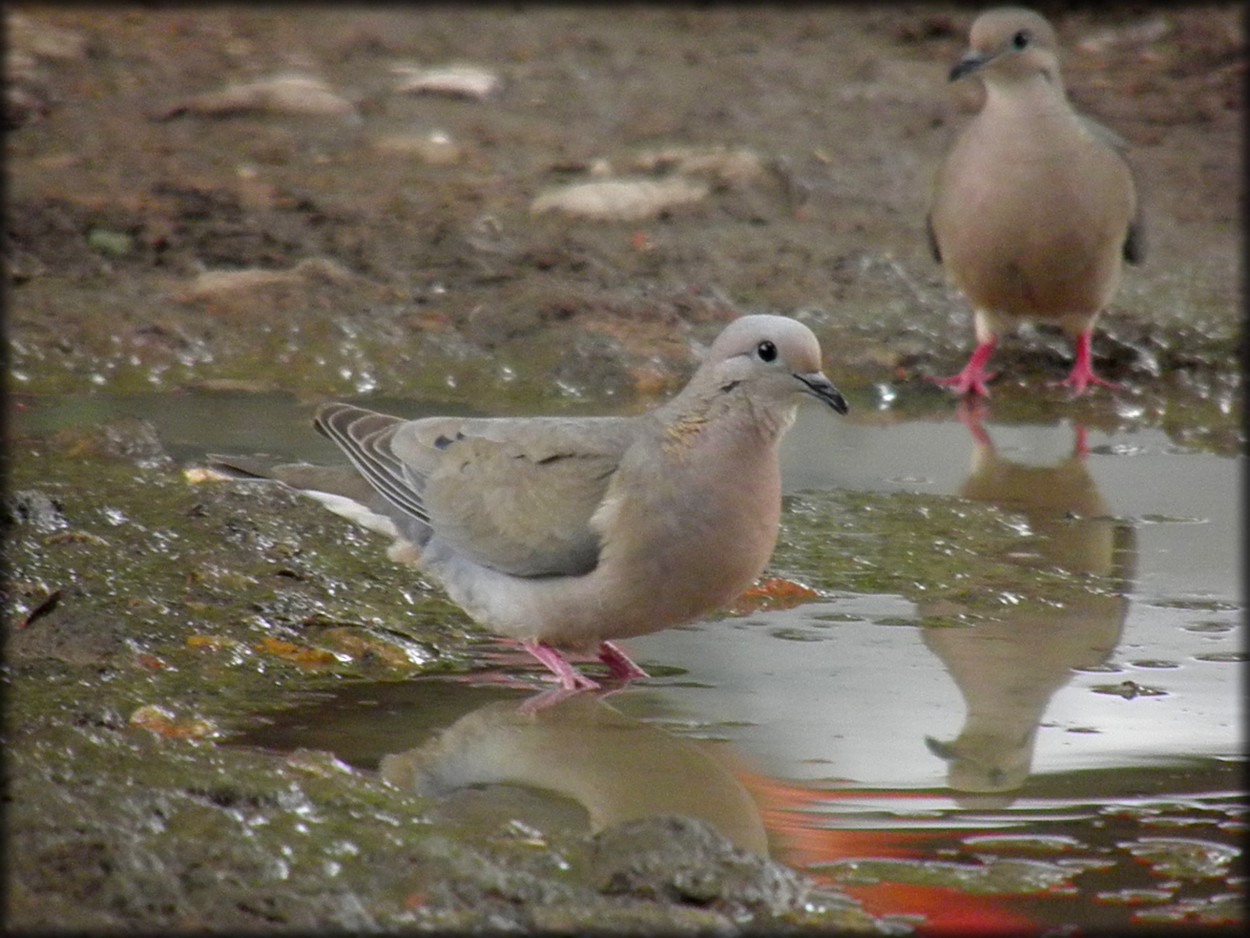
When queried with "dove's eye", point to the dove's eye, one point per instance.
{"points": [[766, 351], [1021, 39]]}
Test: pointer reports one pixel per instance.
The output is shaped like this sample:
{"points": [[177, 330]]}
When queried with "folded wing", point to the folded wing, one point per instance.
{"points": [[517, 496]]}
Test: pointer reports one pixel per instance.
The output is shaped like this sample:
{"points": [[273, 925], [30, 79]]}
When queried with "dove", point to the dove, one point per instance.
{"points": [[570, 532], [1034, 208]]}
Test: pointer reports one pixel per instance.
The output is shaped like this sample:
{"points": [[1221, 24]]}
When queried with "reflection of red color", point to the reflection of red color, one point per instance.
{"points": [[945, 911], [773, 593]]}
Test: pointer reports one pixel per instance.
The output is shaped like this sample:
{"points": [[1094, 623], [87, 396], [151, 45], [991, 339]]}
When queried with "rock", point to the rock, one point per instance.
{"points": [[33, 507], [127, 438], [239, 289], [736, 166], [679, 859], [281, 94], [457, 80], [621, 199]]}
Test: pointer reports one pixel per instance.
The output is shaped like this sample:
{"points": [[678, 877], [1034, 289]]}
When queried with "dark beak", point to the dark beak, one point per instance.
{"points": [[820, 387], [940, 749], [968, 64]]}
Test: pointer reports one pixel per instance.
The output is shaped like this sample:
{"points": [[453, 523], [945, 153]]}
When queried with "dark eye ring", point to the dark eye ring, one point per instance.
{"points": [[766, 351], [1021, 39]]}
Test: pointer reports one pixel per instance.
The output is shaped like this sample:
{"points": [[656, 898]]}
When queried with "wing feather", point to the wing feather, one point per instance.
{"points": [[515, 494]]}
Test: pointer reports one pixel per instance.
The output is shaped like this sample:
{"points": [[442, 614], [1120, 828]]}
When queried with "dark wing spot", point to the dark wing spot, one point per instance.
{"points": [[442, 442]]}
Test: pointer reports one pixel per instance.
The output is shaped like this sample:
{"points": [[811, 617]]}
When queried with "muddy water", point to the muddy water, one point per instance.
{"points": [[1008, 692]]}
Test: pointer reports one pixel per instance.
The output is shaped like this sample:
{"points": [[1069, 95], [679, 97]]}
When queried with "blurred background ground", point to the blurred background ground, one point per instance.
{"points": [[174, 216]]}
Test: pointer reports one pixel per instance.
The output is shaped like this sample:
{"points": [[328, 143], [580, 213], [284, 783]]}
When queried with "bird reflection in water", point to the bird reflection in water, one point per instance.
{"points": [[574, 762], [616, 768], [1008, 668]]}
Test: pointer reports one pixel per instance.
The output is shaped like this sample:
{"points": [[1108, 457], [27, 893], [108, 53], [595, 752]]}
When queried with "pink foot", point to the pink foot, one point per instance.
{"points": [[619, 663], [1082, 373], [973, 378], [570, 678]]}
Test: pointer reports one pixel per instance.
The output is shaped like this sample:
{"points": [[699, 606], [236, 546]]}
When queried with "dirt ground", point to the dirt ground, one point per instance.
{"points": [[176, 218], [397, 229]]}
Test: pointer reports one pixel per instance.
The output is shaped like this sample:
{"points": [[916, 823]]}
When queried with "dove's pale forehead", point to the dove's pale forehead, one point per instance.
{"points": [[993, 28], [795, 342]]}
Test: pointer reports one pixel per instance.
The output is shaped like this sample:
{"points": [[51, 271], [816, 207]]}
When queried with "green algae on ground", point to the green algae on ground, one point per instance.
{"points": [[176, 560]]}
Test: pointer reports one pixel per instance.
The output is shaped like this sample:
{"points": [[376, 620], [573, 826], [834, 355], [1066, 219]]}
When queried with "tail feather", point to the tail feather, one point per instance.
{"points": [[341, 489]]}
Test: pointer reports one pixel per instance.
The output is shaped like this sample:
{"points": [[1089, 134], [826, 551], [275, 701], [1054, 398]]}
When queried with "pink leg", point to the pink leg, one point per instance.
{"points": [[1080, 448], [1082, 373], [619, 663], [569, 677], [548, 698], [971, 413], [972, 379]]}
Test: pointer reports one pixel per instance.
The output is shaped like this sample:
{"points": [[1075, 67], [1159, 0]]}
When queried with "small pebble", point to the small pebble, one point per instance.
{"points": [[735, 166], [281, 94], [620, 199], [212, 284]]}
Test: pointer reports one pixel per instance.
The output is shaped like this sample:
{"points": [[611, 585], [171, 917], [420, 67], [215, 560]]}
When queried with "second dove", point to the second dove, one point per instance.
{"points": [[1034, 208]]}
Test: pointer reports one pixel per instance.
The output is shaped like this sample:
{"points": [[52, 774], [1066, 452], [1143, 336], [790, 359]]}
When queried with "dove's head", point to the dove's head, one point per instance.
{"points": [[769, 362], [1009, 44]]}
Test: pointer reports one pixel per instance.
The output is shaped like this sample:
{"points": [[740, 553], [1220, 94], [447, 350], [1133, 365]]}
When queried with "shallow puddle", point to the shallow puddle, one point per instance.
{"points": [[1013, 770], [1010, 694]]}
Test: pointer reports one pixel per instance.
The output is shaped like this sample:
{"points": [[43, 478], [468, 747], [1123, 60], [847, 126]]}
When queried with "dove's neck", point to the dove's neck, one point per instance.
{"points": [[1034, 100], [725, 413]]}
